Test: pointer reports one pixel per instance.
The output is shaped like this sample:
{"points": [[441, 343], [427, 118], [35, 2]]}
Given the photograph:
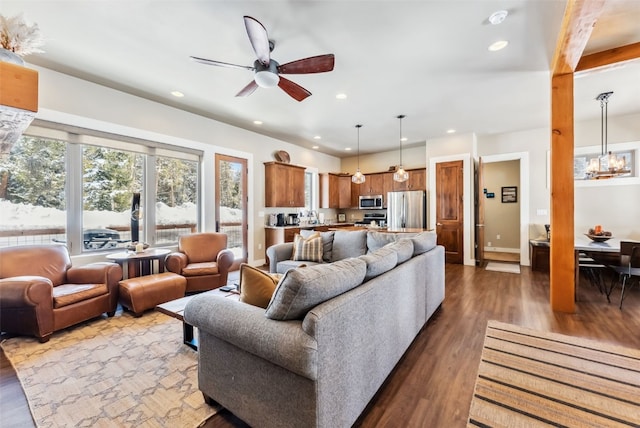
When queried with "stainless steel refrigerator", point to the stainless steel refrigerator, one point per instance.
{"points": [[406, 209]]}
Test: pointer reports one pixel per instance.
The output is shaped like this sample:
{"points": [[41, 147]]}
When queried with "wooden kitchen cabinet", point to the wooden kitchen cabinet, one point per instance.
{"points": [[417, 181], [335, 190], [283, 185]]}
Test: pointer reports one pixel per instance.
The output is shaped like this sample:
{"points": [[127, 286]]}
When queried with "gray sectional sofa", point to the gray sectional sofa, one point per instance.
{"points": [[330, 336]]}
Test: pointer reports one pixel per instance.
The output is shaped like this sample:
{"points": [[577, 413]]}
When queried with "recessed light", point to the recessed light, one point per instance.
{"points": [[177, 94], [498, 17], [403, 139], [341, 96], [317, 137], [500, 44], [348, 149], [315, 147], [451, 131], [257, 122]]}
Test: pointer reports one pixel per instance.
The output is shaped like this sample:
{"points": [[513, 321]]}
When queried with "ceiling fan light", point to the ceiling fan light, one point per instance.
{"points": [[266, 79]]}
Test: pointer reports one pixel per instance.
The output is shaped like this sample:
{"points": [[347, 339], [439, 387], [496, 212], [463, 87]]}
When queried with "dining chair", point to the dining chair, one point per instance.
{"points": [[593, 270], [629, 269]]}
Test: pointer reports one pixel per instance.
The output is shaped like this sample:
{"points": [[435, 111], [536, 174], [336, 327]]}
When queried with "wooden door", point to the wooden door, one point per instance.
{"points": [[480, 197], [449, 209]]}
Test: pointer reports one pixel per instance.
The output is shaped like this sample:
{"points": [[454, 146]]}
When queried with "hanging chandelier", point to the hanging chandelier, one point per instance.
{"points": [[400, 175], [608, 165], [358, 177]]}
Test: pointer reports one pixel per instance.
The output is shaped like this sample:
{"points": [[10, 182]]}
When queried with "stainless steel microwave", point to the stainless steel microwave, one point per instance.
{"points": [[373, 202]]}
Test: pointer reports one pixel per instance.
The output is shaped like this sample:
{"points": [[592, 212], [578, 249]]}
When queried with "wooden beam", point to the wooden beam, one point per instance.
{"points": [[609, 57], [562, 260], [18, 87], [577, 24]]}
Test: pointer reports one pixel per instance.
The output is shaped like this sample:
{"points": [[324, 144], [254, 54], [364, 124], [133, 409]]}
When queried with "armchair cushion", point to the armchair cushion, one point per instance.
{"points": [[68, 294], [196, 269]]}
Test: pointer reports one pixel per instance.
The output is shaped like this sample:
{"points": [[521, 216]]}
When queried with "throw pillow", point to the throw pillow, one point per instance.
{"points": [[309, 249], [349, 244], [327, 242], [256, 286], [376, 240], [300, 290]]}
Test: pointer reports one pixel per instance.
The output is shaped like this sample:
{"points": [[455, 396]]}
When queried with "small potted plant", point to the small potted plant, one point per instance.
{"points": [[17, 39]]}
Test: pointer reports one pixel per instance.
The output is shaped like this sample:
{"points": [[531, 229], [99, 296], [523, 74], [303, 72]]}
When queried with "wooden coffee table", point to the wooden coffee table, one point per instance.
{"points": [[175, 309]]}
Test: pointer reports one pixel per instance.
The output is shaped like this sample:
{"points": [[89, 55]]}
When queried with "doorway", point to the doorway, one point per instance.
{"points": [[502, 204], [231, 205]]}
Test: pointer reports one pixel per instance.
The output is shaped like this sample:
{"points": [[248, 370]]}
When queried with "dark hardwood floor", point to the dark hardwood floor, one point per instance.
{"points": [[433, 383]]}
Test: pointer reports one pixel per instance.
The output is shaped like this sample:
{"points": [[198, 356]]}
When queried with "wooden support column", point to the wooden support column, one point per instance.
{"points": [[579, 18], [562, 260]]}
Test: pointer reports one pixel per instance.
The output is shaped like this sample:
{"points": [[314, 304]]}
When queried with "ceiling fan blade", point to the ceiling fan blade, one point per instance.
{"points": [[248, 90], [294, 90], [220, 63], [258, 38], [314, 64]]}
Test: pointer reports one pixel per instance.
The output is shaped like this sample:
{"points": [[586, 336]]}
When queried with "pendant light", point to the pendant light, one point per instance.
{"points": [[400, 175], [607, 165], [358, 177]]}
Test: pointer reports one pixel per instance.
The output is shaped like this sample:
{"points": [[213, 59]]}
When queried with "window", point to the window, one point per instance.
{"points": [[109, 179], [32, 192], [75, 186], [310, 192], [176, 198]]}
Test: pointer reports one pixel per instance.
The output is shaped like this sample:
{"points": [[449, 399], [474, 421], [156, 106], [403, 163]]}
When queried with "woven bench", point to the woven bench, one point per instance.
{"points": [[145, 292]]}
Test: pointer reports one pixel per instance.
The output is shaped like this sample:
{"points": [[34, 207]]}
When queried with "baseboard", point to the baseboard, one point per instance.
{"points": [[502, 250]]}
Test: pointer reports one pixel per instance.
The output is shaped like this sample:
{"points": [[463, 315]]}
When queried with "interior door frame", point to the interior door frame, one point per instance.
{"points": [[469, 218], [524, 196], [479, 198]]}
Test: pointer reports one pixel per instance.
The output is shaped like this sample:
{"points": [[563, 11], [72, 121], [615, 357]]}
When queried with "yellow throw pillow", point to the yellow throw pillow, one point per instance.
{"points": [[309, 249], [257, 286]]}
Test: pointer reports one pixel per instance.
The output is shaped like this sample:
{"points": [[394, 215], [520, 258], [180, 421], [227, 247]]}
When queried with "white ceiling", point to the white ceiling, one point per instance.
{"points": [[426, 59]]}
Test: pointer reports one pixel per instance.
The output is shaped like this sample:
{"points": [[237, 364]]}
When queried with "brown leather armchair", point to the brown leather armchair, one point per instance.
{"points": [[40, 292], [203, 259]]}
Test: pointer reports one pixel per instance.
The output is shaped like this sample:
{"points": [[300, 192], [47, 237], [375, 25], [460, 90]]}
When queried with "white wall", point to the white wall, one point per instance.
{"points": [[68, 100], [501, 220]]}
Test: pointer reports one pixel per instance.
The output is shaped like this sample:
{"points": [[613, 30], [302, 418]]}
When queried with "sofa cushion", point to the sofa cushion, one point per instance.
{"points": [[376, 240], [285, 265], [404, 248], [379, 261], [424, 241], [309, 249], [302, 289], [256, 286], [348, 244], [327, 242]]}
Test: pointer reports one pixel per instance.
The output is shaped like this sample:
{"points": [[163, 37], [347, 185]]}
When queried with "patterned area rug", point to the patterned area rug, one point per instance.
{"points": [[503, 267], [528, 378], [121, 371]]}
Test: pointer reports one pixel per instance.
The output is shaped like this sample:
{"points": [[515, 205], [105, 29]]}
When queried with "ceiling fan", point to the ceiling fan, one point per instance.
{"points": [[267, 71]]}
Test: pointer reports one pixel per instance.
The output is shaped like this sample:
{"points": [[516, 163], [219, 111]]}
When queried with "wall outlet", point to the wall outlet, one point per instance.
{"points": [[259, 246], [489, 244], [497, 236], [260, 213]]}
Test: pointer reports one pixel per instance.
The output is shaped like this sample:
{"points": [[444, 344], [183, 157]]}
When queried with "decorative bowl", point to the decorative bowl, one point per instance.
{"points": [[598, 238]]}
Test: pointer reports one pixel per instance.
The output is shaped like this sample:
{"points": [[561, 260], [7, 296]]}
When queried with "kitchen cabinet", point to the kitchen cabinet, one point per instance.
{"points": [[335, 190], [283, 185], [417, 181]]}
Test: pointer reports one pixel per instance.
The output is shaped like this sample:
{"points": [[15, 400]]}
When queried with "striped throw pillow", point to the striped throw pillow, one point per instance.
{"points": [[309, 249]]}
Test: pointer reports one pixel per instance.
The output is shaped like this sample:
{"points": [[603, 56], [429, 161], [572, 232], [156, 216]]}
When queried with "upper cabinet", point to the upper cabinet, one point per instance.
{"points": [[283, 185], [417, 181], [335, 190]]}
